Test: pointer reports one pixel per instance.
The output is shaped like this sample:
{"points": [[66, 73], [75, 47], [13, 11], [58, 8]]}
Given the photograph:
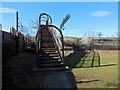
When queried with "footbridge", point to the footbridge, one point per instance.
{"points": [[50, 55]]}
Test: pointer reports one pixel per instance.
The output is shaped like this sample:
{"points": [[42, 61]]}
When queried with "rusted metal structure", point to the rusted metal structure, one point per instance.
{"points": [[49, 44]]}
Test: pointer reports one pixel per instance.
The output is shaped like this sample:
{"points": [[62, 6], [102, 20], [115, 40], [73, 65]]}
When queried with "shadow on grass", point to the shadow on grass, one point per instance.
{"points": [[87, 81], [107, 65], [75, 58], [100, 66], [82, 59]]}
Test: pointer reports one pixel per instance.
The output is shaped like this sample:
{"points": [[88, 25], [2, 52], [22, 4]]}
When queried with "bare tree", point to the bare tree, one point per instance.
{"points": [[115, 42], [90, 37], [99, 37], [28, 32], [34, 24]]}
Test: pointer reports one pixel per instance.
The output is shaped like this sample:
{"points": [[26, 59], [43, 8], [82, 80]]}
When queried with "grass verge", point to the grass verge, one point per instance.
{"points": [[105, 76]]}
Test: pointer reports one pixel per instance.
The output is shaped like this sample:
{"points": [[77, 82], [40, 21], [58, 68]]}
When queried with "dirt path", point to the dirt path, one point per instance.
{"points": [[59, 80], [18, 73]]}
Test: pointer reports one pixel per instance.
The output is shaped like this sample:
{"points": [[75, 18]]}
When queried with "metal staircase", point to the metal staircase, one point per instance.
{"points": [[49, 45]]}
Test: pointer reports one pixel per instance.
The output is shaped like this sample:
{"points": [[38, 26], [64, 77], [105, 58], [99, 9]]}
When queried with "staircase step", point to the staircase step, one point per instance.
{"points": [[51, 65], [49, 61], [45, 31], [48, 50], [46, 56], [49, 55], [49, 58], [50, 69], [46, 35], [43, 52], [47, 40], [47, 44]]}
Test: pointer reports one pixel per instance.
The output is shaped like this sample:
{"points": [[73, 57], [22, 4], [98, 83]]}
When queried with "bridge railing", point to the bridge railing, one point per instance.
{"points": [[45, 21], [45, 18], [58, 40]]}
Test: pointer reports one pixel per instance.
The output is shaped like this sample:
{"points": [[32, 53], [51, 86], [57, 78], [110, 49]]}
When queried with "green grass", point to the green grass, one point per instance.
{"points": [[109, 59], [20, 68], [20, 63], [105, 76], [74, 59], [78, 59]]}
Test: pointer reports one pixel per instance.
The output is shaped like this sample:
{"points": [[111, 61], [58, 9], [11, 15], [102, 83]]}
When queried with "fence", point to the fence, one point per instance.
{"points": [[11, 45]]}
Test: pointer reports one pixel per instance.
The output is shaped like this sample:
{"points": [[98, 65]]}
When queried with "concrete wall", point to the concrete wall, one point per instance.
{"points": [[10, 46]]}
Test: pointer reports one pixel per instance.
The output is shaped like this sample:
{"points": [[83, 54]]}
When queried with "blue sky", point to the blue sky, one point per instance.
{"points": [[85, 16]]}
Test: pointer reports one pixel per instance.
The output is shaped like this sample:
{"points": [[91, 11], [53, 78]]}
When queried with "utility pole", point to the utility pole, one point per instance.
{"points": [[17, 37], [17, 21]]}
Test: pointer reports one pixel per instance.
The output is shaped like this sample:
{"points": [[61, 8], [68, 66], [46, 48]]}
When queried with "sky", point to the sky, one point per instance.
{"points": [[84, 16]]}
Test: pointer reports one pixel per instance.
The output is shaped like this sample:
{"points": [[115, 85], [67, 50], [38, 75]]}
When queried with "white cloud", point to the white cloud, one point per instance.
{"points": [[8, 10], [100, 13]]}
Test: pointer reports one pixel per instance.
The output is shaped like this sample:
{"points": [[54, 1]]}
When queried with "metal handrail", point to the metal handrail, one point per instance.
{"points": [[56, 38], [58, 44], [38, 35], [47, 19]]}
